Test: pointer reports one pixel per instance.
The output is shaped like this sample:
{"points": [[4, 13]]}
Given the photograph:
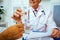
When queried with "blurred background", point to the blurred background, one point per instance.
{"points": [[7, 8]]}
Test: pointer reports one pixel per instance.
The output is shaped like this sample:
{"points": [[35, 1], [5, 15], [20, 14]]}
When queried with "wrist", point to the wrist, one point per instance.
{"points": [[18, 22]]}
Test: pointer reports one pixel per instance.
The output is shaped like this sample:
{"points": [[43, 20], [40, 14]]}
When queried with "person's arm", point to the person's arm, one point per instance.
{"points": [[50, 26]]}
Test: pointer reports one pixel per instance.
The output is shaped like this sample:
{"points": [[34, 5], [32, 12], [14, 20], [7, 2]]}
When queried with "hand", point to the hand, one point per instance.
{"points": [[13, 32], [17, 15], [55, 33]]}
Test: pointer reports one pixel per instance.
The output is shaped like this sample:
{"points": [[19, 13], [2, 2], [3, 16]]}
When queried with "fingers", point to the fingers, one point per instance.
{"points": [[19, 10], [58, 35], [17, 14], [55, 33]]}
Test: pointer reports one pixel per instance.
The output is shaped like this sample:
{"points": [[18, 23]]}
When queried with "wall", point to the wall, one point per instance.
{"points": [[8, 8]]}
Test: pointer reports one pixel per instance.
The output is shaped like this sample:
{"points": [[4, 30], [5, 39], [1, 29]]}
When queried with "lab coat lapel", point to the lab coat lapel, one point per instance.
{"points": [[31, 13], [39, 13], [32, 17]]}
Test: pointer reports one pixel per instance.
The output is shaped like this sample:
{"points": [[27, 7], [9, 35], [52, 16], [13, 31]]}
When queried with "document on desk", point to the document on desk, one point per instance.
{"points": [[38, 34]]}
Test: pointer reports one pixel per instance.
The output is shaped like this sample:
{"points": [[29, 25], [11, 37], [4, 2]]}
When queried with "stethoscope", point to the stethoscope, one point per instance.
{"points": [[29, 21], [34, 14], [41, 11], [35, 30]]}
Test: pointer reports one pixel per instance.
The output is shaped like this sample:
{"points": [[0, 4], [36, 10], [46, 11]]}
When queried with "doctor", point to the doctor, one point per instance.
{"points": [[40, 20]]}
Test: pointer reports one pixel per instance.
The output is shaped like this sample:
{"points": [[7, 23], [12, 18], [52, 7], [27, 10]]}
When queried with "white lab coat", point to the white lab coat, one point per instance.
{"points": [[43, 23]]}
